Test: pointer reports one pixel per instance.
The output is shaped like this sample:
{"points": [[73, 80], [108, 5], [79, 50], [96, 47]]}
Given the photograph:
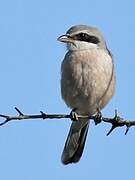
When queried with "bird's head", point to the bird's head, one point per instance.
{"points": [[82, 37]]}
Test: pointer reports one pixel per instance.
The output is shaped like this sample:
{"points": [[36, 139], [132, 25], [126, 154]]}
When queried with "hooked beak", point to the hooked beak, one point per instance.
{"points": [[65, 38]]}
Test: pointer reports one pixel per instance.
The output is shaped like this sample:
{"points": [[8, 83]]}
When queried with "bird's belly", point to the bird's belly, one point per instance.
{"points": [[87, 81]]}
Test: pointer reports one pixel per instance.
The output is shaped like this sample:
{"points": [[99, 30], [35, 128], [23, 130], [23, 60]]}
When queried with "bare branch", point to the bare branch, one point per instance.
{"points": [[116, 121]]}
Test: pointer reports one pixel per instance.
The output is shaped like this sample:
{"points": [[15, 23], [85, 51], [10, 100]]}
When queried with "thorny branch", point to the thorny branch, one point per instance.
{"points": [[116, 121]]}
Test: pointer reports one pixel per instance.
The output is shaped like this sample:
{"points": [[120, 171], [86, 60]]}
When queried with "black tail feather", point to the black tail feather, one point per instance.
{"points": [[74, 145]]}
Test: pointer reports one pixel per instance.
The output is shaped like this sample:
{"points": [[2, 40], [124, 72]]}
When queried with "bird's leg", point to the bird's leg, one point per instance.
{"points": [[74, 115], [98, 117]]}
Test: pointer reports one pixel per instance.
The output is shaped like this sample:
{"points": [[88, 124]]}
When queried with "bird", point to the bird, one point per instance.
{"points": [[87, 82]]}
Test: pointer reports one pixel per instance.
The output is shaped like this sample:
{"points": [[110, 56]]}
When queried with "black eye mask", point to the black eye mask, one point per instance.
{"points": [[86, 37]]}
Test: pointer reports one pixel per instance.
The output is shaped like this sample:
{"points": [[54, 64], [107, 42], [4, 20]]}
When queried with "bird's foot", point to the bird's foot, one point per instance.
{"points": [[98, 117], [74, 115]]}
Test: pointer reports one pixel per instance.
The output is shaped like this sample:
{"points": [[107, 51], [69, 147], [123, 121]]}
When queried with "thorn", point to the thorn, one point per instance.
{"points": [[127, 129], [4, 116], [43, 114], [20, 113], [6, 121], [112, 128], [116, 113], [116, 117]]}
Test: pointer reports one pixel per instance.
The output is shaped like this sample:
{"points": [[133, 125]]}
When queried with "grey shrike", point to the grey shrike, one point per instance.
{"points": [[87, 82]]}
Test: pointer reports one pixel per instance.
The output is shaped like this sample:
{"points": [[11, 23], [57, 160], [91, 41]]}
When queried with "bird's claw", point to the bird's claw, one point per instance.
{"points": [[74, 115], [98, 117]]}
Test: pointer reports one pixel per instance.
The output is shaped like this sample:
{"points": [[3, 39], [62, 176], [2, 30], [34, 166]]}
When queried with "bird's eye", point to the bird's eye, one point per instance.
{"points": [[82, 36], [87, 38]]}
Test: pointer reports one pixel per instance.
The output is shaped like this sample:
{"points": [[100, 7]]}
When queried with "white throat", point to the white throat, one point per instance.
{"points": [[81, 45]]}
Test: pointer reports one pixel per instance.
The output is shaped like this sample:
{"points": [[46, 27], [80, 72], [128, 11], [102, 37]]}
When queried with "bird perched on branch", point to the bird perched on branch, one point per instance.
{"points": [[87, 82]]}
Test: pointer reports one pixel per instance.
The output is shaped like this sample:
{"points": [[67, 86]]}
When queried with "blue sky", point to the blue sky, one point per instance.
{"points": [[30, 58]]}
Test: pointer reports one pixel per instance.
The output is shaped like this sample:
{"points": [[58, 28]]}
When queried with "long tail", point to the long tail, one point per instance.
{"points": [[75, 142]]}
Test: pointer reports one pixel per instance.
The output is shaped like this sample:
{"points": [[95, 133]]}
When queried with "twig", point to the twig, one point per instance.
{"points": [[116, 121]]}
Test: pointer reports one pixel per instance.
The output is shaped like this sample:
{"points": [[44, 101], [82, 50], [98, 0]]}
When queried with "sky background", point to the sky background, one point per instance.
{"points": [[30, 59]]}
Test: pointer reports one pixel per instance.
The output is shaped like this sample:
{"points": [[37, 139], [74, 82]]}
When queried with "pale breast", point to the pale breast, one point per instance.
{"points": [[87, 79]]}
